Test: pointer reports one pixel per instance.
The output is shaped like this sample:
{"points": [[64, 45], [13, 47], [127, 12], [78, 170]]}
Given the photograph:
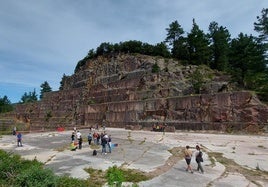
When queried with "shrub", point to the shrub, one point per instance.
{"points": [[36, 176], [115, 176], [64, 181]]}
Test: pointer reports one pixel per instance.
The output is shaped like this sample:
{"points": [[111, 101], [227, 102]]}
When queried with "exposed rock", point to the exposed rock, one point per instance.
{"points": [[123, 91]]}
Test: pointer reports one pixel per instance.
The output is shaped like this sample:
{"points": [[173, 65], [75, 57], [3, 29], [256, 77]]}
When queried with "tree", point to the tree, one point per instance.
{"points": [[261, 26], [199, 52], [63, 81], [175, 32], [180, 50], [44, 88], [104, 48], [5, 105], [161, 49], [29, 97], [246, 59], [220, 46]]}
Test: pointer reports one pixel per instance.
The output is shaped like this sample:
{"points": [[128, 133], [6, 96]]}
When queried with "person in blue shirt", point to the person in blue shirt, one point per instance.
{"points": [[19, 139]]}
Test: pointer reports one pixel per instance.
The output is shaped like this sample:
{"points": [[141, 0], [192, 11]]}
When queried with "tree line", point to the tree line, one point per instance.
{"points": [[6, 105], [244, 57]]}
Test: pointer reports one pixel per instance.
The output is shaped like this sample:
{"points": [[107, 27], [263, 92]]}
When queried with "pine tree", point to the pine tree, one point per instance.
{"points": [[262, 26], [175, 32], [29, 97], [220, 47], [5, 105], [44, 88], [246, 59], [199, 52]]}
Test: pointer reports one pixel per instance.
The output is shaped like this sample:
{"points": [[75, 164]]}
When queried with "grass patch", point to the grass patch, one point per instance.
{"points": [[62, 148], [94, 146], [261, 146], [115, 175], [129, 137], [143, 141]]}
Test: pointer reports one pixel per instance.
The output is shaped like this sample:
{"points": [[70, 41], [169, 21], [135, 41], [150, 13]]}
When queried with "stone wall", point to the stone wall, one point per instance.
{"points": [[123, 92]]}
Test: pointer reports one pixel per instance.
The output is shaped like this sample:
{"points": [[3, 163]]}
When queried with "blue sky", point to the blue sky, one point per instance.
{"points": [[42, 40]]}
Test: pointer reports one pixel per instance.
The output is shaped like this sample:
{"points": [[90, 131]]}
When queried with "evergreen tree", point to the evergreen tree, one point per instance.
{"points": [[175, 32], [260, 79], [199, 52], [29, 97], [161, 49], [44, 88], [261, 26], [246, 59], [220, 39], [180, 50], [63, 81], [5, 105]]}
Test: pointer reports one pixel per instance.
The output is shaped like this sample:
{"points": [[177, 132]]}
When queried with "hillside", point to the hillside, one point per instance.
{"points": [[138, 91]]}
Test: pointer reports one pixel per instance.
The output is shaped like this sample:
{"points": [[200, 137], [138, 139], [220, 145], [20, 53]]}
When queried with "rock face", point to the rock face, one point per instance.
{"points": [[125, 91]]}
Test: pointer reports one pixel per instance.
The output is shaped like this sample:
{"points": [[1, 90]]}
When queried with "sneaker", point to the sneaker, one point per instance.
{"points": [[192, 172]]}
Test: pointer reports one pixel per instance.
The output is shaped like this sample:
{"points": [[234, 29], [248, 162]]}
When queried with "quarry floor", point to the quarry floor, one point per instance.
{"points": [[243, 162]]}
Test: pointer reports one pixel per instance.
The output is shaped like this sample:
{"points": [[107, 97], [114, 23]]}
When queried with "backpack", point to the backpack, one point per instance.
{"points": [[199, 157], [94, 152]]}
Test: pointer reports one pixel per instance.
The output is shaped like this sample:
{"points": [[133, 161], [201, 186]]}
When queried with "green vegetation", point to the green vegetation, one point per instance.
{"points": [[115, 176], [15, 171], [245, 57], [29, 97], [155, 68], [44, 88], [48, 115], [231, 166], [5, 105]]}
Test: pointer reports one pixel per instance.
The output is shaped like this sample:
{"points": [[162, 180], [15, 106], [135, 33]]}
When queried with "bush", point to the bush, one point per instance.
{"points": [[36, 176], [64, 181], [115, 176], [15, 171]]}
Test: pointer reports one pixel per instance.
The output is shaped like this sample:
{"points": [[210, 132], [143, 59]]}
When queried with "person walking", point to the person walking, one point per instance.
{"points": [[199, 159], [188, 156]]}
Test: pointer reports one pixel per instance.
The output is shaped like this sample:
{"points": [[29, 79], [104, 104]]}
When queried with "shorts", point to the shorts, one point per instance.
{"points": [[188, 161]]}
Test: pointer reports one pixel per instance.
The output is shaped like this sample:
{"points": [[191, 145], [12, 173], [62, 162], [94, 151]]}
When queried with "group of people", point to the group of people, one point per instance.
{"points": [[198, 158], [98, 139]]}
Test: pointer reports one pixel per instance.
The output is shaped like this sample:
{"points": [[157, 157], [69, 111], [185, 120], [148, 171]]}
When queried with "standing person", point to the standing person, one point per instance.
{"points": [[103, 144], [188, 156], [73, 137], [98, 138], [14, 131], [79, 139], [110, 143], [89, 138], [19, 139], [95, 136], [199, 159]]}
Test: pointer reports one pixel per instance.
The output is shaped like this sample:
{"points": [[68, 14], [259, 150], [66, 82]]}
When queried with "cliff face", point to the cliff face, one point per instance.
{"points": [[137, 92]]}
